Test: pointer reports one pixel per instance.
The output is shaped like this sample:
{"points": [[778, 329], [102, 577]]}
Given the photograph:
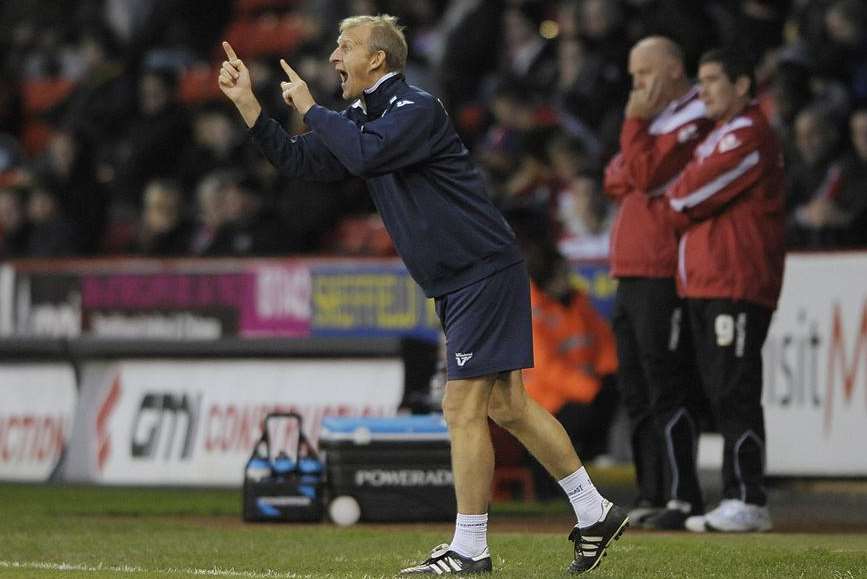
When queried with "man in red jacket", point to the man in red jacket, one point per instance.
{"points": [[665, 120], [730, 269]]}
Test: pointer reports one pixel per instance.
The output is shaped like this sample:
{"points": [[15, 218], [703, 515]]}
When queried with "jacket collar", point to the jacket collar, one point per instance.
{"points": [[375, 99]]}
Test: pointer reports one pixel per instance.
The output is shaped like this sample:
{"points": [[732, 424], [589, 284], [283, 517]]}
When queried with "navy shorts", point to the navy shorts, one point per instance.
{"points": [[488, 325]]}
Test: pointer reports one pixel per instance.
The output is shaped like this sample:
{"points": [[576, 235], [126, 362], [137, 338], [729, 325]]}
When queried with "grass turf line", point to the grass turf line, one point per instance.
{"points": [[120, 532]]}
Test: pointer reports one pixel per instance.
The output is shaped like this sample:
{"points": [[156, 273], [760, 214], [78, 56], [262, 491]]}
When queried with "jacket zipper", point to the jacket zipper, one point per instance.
{"points": [[681, 258]]}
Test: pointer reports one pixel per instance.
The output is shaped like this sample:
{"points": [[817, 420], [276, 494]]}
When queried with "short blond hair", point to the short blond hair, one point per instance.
{"points": [[385, 35]]}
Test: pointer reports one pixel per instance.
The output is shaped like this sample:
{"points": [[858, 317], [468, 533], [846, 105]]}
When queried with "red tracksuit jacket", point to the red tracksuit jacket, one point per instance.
{"points": [[732, 193], [652, 154]]}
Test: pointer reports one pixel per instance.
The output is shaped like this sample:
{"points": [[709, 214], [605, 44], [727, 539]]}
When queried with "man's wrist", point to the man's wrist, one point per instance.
{"points": [[304, 107], [250, 109]]}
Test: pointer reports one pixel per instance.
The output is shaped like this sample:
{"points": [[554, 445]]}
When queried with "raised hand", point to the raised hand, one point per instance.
{"points": [[234, 77], [236, 84], [646, 102], [295, 91]]}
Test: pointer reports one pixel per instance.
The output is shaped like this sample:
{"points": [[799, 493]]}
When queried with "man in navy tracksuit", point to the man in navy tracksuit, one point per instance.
{"points": [[457, 247]]}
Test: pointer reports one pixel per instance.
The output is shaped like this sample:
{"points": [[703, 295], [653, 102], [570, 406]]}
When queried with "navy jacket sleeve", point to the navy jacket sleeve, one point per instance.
{"points": [[399, 138], [301, 157]]}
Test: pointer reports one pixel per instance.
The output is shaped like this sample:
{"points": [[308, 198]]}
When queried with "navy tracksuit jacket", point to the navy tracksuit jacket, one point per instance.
{"points": [[430, 195]]}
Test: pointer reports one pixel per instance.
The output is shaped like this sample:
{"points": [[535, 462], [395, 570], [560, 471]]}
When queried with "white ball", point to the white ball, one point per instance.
{"points": [[344, 510]]}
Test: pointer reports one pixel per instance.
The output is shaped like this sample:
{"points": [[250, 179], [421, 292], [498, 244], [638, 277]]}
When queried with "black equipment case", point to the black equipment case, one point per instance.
{"points": [[398, 469]]}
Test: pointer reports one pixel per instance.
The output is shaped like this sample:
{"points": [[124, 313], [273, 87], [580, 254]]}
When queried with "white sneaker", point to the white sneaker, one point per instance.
{"points": [[732, 516]]}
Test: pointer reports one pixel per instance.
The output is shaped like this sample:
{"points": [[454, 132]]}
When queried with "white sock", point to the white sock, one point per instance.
{"points": [[471, 535], [585, 499]]}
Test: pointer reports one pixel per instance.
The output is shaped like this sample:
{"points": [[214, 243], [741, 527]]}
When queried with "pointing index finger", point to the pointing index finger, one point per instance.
{"points": [[293, 76], [230, 52]]}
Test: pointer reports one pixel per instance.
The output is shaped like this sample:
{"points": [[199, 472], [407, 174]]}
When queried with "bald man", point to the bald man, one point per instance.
{"points": [[664, 121]]}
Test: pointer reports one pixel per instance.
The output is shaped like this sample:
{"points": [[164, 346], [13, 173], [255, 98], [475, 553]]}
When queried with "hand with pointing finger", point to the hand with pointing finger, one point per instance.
{"points": [[295, 91], [234, 77], [236, 84]]}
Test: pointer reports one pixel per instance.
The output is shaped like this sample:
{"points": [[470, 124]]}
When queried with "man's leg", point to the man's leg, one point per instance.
{"points": [[599, 521], [646, 442], [734, 336], [465, 408], [729, 337], [542, 434], [662, 336]]}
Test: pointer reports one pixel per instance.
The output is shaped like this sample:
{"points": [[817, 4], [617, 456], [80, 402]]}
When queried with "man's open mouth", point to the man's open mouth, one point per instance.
{"points": [[343, 76]]}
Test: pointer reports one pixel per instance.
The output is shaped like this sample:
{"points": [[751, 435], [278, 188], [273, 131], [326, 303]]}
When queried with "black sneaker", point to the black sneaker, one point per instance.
{"points": [[672, 518], [443, 560], [643, 510], [591, 542]]}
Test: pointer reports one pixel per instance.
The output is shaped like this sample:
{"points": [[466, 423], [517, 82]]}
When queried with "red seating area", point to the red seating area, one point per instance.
{"points": [[260, 28], [249, 7], [199, 85], [266, 35], [39, 97]]}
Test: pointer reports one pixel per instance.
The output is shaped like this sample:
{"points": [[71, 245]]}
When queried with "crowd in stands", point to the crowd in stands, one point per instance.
{"points": [[115, 139]]}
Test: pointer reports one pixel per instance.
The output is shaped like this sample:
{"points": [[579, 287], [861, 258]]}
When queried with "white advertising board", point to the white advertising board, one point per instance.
{"points": [[815, 368], [189, 422], [37, 406], [7, 299]]}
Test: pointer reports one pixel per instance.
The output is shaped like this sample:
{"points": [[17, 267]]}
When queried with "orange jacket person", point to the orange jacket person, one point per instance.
{"points": [[573, 347]]}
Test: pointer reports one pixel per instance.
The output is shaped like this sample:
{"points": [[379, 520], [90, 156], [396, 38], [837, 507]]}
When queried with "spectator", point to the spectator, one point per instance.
{"points": [[568, 157], [103, 103], [14, 226], [843, 54], [814, 183], [529, 58], [363, 236], [68, 170], [575, 360], [11, 157], [585, 88], [514, 115], [584, 218], [730, 200], [602, 29], [164, 231], [216, 144], [210, 215], [574, 353], [664, 123], [11, 113], [850, 205], [531, 183], [51, 234], [472, 46], [790, 92], [250, 228], [153, 138]]}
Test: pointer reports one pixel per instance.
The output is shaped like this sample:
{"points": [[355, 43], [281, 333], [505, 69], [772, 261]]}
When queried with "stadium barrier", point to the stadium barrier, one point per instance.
{"points": [[183, 412], [180, 314], [815, 368]]}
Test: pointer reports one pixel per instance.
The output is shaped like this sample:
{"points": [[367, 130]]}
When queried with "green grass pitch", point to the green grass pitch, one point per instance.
{"points": [[60, 531]]}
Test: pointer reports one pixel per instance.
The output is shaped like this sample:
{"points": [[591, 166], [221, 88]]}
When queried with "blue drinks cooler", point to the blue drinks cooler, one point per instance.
{"points": [[283, 487], [396, 469]]}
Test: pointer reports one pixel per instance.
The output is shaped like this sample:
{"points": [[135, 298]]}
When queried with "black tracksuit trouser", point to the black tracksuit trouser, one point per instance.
{"points": [[728, 337], [659, 389]]}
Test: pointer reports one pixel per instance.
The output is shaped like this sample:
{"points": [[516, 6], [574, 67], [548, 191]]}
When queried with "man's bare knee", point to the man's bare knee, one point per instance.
{"points": [[466, 401], [508, 405]]}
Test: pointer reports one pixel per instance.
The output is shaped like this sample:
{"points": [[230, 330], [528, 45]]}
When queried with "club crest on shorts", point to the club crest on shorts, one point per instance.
{"points": [[462, 358]]}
